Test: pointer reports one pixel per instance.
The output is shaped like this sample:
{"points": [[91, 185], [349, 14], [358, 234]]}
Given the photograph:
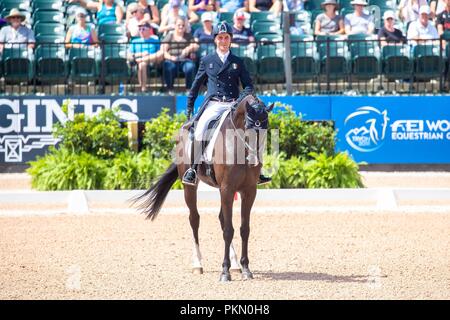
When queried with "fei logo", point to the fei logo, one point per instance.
{"points": [[368, 128]]}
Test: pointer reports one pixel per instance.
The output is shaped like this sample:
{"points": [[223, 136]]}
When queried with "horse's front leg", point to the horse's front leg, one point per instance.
{"points": [[235, 267], [228, 231], [248, 198]]}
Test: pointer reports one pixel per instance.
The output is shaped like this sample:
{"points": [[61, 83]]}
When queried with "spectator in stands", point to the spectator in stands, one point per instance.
{"points": [[437, 7], [200, 6], [137, 17], [408, 10], [329, 22], [232, 5], [171, 11], [443, 19], [422, 30], [107, 10], [179, 54], [151, 9], [81, 33], [151, 12], [388, 33], [294, 5], [265, 5], [241, 34], [16, 35], [144, 51], [205, 33], [359, 21]]}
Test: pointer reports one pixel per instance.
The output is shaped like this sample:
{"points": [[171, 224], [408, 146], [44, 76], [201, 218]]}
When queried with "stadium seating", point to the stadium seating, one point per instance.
{"points": [[48, 16], [17, 67], [50, 64], [427, 62], [396, 63], [333, 62], [304, 65], [364, 54], [270, 59], [7, 5], [115, 67], [247, 54], [48, 28], [226, 16], [82, 65]]}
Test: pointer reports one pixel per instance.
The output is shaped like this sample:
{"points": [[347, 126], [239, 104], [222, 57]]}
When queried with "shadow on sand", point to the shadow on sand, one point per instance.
{"points": [[313, 276]]}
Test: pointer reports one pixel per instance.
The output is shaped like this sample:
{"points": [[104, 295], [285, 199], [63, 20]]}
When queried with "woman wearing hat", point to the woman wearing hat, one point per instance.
{"points": [[359, 21], [329, 22], [389, 34], [16, 35]]}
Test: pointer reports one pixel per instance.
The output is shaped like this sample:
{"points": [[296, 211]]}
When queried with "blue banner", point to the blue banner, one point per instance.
{"points": [[402, 130]]}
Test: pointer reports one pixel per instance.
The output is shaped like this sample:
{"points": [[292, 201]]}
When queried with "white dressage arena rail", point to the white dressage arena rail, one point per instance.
{"points": [[271, 200]]}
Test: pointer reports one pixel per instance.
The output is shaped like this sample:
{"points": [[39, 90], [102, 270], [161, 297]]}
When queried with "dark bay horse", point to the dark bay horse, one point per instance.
{"points": [[231, 174]]}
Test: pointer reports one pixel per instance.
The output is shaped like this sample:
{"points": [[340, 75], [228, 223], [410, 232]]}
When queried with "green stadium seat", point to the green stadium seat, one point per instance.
{"points": [[345, 4], [49, 28], [264, 16], [111, 29], [270, 59], [396, 63], [115, 67], [364, 57], [113, 38], [82, 65], [50, 38], [17, 67], [247, 54], [7, 5], [266, 27], [313, 5], [333, 59], [303, 56], [226, 16], [196, 26], [48, 16], [428, 63], [269, 37], [50, 64], [48, 5]]}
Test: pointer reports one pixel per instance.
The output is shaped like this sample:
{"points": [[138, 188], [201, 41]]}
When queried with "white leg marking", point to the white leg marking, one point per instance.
{"points": [[233, 257], [196, 257]]}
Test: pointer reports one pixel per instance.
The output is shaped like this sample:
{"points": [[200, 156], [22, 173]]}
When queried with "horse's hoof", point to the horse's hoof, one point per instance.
{"points": [[247, 275], [197, 270], [225, 277], [236, 270]]}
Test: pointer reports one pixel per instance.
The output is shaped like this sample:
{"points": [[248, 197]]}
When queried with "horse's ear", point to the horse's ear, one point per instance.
{"points": [[270, 107]]}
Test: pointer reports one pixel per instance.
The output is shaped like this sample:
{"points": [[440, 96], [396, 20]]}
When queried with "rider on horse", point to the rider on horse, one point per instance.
{"points": [[221, 71]]}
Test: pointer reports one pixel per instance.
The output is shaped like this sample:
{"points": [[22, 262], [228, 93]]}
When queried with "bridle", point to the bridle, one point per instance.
{"points": [[258, 126]]}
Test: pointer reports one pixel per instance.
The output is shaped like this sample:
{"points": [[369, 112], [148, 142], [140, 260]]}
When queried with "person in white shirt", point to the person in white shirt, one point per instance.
{"points": [[422, 30], [359, 21]]}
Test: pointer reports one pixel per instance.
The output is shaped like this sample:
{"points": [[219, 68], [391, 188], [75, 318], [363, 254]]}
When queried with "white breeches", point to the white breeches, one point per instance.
{"points": [[212, 111]]}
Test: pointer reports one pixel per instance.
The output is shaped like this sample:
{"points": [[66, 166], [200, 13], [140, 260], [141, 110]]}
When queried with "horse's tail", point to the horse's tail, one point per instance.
{"points": [[152, 200]]}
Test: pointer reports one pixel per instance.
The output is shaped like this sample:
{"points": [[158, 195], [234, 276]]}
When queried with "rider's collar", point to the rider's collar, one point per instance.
{"points": [[223, 56]]}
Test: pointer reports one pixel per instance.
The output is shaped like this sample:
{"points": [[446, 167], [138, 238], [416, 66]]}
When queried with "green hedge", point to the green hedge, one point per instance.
{"points": [[94, 154]]}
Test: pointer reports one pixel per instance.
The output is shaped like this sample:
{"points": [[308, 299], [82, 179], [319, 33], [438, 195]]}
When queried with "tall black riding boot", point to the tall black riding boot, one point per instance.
{"points": [[190, 176]]}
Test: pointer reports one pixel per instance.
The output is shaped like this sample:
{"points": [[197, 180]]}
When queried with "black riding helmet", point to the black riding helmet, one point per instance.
{"points": [[222, 27]]}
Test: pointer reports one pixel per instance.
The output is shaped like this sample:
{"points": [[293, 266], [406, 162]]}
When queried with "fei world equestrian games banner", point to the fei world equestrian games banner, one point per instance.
{"points": [[407, 130], [26, 123]]}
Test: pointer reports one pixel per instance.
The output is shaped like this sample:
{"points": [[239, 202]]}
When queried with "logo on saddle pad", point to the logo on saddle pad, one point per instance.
{"points": [[368, 129]]}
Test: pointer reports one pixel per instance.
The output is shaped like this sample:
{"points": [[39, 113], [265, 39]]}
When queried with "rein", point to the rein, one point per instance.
{"points": [[246, 144]]}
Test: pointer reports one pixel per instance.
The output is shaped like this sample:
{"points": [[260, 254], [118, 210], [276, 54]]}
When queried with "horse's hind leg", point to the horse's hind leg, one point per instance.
{"points": [[248, 197], [190, 196], [235, 267]]}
